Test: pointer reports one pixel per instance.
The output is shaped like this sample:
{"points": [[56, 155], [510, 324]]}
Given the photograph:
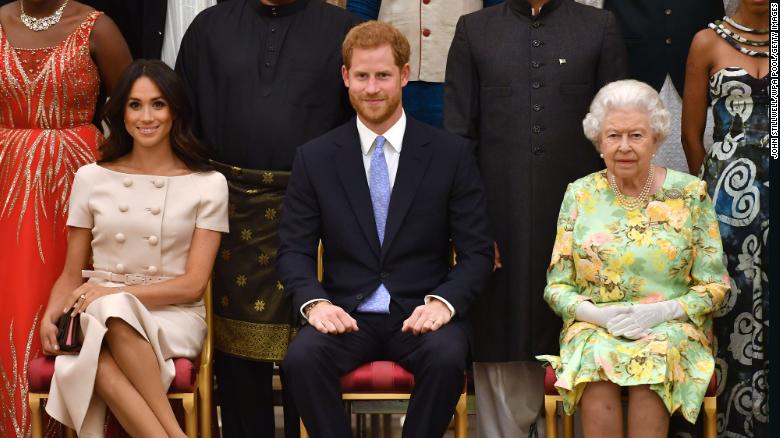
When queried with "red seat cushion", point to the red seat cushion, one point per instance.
{"points": [[41, 371], [378, 377], [549, 383]]}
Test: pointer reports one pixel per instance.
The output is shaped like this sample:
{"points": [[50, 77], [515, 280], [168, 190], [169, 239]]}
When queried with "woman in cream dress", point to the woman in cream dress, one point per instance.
{"points": [[151, 213]]}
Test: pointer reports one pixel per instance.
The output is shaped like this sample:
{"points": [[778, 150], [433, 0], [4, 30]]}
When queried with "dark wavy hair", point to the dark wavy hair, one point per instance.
{"points": [[185, 145]]}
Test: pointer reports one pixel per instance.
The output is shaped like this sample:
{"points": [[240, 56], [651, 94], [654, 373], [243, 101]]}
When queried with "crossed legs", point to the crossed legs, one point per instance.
{"points": [[127, 381], [602, 412]]}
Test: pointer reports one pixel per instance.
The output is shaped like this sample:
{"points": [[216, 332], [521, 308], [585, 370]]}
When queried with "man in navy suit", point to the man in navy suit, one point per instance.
{"points": [[388, 196]]}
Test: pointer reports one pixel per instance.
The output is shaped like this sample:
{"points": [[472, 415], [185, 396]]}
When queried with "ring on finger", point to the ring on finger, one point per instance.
{"points": [[82, 297]]}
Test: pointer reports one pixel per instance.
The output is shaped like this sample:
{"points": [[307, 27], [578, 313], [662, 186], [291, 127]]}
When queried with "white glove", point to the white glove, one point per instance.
{"points": [[586, 311], [643, 317]]}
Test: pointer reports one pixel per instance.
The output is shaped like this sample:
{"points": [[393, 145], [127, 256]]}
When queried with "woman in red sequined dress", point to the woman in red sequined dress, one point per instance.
{"points": [[55, 54]]}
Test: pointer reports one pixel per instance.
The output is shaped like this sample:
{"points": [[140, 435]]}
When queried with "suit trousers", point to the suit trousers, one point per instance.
{"points": [[315, 363]]}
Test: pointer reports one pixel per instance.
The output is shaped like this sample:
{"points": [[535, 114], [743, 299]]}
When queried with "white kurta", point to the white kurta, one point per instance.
{"points": [[141, 224]]}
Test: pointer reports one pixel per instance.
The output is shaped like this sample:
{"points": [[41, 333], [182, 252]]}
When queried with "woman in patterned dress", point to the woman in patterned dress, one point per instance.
{"points": [[50, 75], [728, 65], [636, 273]]}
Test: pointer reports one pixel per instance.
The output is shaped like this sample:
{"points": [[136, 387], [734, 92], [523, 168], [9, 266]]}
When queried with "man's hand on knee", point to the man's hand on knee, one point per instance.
{"points": [[331, 319], [427, 318]]}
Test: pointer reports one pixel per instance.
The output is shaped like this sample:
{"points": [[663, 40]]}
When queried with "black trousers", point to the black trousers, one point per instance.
{"points": [[315, 363], [246, 399]]}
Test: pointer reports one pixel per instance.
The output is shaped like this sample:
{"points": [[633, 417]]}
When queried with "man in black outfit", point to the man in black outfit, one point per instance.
{"points": [[387, 195]]}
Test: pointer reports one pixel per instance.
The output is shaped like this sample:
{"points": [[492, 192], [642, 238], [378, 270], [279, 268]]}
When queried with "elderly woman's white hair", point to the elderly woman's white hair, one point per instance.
{"points": [[627, 94]]}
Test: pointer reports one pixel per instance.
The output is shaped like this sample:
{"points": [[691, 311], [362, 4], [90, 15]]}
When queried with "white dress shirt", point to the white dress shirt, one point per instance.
{"points": [[393, 142]]}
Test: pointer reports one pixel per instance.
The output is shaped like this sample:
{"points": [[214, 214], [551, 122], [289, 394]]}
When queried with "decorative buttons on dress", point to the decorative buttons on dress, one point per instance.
{"points": [[119, 237], [120, 268], [152, 269], [127, 182], [155, 210], [159, 183], [426, 32], [123, 207], [153, 240]]}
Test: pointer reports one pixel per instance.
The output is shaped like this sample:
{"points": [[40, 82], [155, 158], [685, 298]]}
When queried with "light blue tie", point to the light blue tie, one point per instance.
{"points": [[379, 185]]}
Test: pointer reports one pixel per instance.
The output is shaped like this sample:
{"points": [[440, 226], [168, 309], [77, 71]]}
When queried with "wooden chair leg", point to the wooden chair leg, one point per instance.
{"points": [[550, 416], [304, 433], [461, 418], [35, 416], [190, 416], [710, 417], [568, 426]]}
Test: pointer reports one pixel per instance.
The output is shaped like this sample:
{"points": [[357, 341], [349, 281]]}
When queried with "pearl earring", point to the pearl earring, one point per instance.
{"points": [[653, 156], [601, 155]]}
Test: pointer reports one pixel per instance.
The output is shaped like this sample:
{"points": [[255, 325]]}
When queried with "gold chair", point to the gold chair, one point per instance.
{"points": [[196, 399], [385, 367]]}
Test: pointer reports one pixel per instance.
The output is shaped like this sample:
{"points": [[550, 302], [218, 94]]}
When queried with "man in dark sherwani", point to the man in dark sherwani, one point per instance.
{"points": [[520, 78], [265, 77]]}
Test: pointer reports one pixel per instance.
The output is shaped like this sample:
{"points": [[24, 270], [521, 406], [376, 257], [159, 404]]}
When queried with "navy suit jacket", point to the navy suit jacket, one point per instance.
{"points": [[437, 199]]}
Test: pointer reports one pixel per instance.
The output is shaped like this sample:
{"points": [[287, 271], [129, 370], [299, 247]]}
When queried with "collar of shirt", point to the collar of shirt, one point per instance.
{"points": [[278, 11], [393, 142], [523, 7]]}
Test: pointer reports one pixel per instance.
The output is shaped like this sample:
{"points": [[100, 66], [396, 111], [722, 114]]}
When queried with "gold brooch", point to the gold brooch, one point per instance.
{"points": [[674, 194]]}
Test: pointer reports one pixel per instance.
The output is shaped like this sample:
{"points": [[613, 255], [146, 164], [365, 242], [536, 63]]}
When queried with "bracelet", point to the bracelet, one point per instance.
{"points": [[307, 309]]}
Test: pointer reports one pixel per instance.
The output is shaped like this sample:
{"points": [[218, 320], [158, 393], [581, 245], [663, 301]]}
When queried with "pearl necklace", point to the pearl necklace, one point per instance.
{"points": [[44, 23], [639, 201]]}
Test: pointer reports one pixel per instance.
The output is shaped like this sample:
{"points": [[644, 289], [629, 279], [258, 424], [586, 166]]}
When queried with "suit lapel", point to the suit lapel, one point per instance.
{"points": [[412, 165], [348, 161]]}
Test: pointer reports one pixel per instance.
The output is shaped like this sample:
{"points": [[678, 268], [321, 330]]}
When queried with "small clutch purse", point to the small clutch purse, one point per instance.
{"points": [[68, 332]]}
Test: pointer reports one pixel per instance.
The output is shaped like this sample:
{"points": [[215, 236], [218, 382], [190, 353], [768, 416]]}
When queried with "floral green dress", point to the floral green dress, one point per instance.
{"points": [[604, 253]]}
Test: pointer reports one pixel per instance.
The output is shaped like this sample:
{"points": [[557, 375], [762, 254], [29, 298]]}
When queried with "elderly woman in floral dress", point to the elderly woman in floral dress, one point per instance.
{"points": [[636, 274]]}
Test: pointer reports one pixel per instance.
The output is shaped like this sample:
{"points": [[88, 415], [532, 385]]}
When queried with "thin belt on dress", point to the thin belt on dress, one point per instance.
{"points": [[128, 279]]}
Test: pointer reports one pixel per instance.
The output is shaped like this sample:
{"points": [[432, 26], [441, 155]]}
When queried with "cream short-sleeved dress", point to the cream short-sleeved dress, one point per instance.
{"points": [[141, 225]]}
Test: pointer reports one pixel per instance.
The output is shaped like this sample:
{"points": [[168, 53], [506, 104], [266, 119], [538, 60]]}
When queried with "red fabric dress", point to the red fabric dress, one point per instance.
{"points": [[47, 100]]}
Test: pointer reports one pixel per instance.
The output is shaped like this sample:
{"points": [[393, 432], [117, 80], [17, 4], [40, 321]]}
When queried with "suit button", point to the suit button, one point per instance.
{"points": [[536, 43], [536, 25], [535, 64], [158, 183], [668, 41], [267, 64], [426, 32], [667, 11], [119, 237], [535, 84], [359, 297], [536, 129], [155, 210], [537, 107], [538, 150], [384, 275], [123, 207], [153, 240], [127, 182]]}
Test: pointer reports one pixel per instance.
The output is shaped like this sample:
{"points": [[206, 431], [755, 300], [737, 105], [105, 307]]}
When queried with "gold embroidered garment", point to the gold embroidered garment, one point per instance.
{"points": [[47, 100], [252, 317]]}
